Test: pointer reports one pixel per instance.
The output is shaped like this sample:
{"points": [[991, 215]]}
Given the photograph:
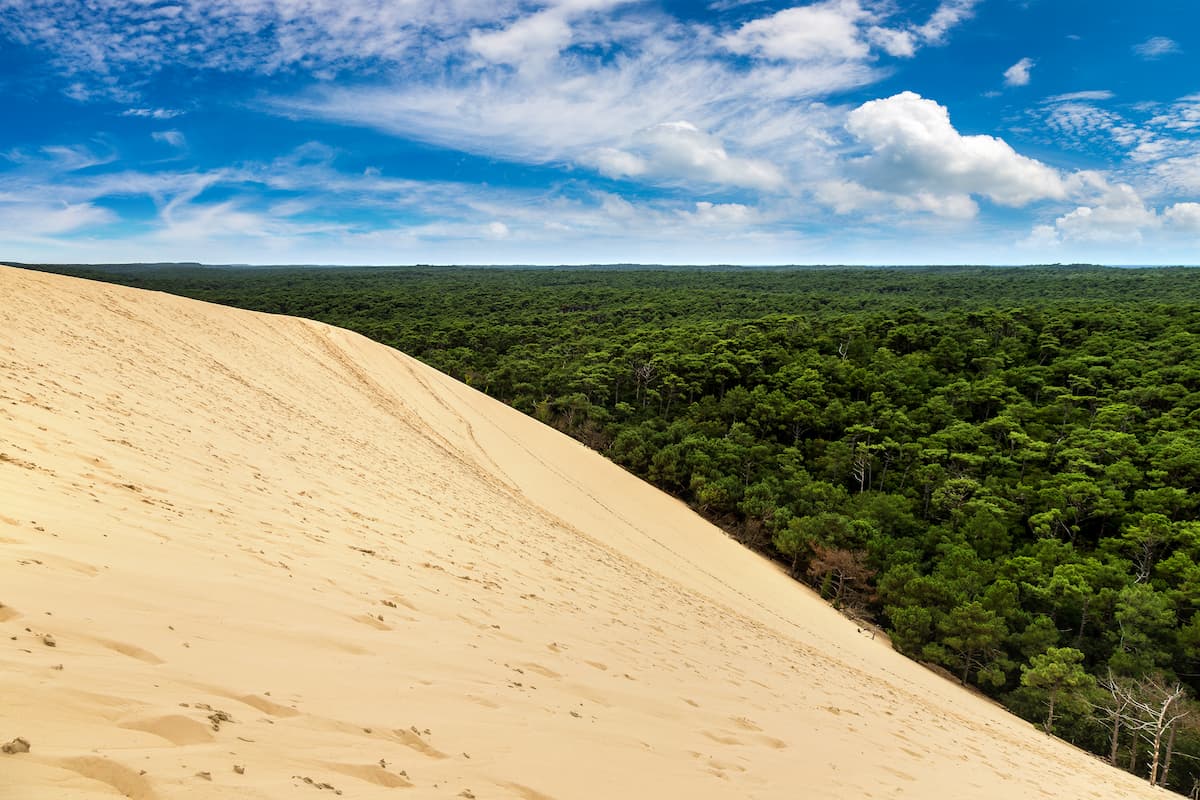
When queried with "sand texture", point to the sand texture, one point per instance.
{"points": [[252, 556]]}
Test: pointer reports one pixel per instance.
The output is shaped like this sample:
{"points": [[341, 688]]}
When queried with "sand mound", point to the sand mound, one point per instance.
{"points": [[278, 560]]}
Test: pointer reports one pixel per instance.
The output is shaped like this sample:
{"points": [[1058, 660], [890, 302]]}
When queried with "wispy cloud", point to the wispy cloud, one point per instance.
{"points": [[173, 138], [1156, 47], [152, 113], [1089, 95]]}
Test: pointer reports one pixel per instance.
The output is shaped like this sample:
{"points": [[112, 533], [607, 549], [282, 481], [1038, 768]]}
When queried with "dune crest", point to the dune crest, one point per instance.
{"points": [[256, 556]]}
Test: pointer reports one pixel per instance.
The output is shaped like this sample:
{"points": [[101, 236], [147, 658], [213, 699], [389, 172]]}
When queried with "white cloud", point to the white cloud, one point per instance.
{"points": [[842, 30], [1184, 217], [897, 43], [1018, 73], [1078, 120], [848, 197], [497, 230], [1091, 95], [681, 151], [1120, 216], [173, 138], [1041, 238], [1183, 115], [598, 115], [825, 30], [950, 206], [152, 113], [915, 148], [1156, 47], [36, 219], [1181, 173], [720, 214], [948, 15], [531, 42], [616, 163], [59, 158]]}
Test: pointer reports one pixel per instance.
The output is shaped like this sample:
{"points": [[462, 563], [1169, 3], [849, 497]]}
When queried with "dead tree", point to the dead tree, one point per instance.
{"points": [[1114, 709], [1152, 710]]}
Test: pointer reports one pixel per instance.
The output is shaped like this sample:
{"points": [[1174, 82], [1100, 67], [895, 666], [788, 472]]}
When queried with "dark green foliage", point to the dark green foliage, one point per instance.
{"points": [[1058, 678], [1000, 464]]}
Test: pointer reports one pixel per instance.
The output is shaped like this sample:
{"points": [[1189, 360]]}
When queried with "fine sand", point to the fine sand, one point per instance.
{"points": [[252, 556]]}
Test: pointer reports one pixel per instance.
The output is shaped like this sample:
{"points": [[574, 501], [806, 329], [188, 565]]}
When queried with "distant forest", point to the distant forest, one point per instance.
{"points": [[999, 467]]}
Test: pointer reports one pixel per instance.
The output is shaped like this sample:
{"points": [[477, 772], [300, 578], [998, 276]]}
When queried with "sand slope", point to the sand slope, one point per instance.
{"points": [[263, 542]]}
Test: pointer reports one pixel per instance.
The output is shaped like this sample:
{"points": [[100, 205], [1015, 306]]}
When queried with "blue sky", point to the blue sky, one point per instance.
{"points": [[585, 131]]}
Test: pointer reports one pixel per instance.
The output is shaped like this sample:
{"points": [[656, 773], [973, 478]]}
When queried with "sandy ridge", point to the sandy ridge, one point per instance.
{"points": [[264, 543]]}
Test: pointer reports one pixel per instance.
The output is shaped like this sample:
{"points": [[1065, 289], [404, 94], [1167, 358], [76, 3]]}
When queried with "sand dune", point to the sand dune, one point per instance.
{"points": [[275, 559]]}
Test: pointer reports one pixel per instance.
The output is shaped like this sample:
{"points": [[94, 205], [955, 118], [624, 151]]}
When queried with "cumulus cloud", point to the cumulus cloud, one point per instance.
{"points": [[616, 163], [1123, 217], [1018, 73], [1184, 217], [843, 30], [720, 214], [680, 150], [895, 42], [915, 149], [1118, 216], [1156, 47], [532, 41], [829, 29]]}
